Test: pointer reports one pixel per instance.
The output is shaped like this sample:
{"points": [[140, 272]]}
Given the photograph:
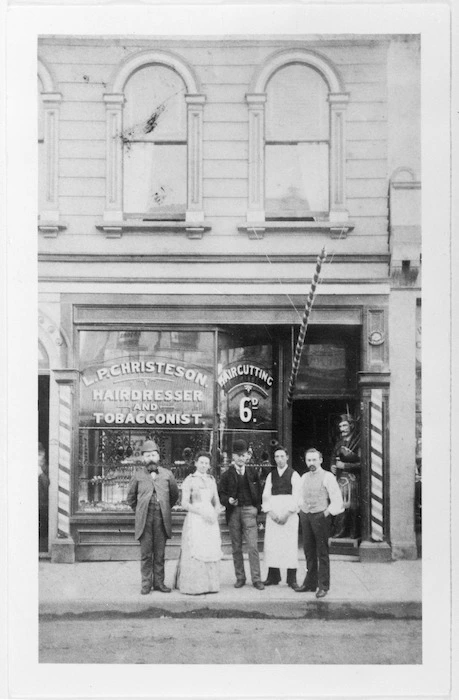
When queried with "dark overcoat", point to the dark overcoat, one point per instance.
{"points": [[227, 488], [140, 491]]}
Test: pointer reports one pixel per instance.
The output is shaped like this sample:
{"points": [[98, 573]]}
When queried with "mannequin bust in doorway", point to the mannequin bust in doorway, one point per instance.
{"points": [[345, 465]]}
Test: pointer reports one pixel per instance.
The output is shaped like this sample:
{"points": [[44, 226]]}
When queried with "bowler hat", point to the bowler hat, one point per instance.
{"points": [[149, 446], [239, 447]]}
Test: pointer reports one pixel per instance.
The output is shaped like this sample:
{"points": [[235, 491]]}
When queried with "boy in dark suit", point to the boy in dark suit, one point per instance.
{"points": [[240, 492]]}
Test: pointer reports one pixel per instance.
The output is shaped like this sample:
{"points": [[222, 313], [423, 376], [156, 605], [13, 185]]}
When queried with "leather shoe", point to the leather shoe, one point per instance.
{"points": [[270, 582], [162, 588], [239, 584], [145, 590], [305, 589], [293, 585], [321, 593], [259, 586]]}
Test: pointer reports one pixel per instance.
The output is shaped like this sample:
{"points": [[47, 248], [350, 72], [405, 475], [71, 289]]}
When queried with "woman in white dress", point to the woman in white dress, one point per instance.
{"points": [[198, 568]]}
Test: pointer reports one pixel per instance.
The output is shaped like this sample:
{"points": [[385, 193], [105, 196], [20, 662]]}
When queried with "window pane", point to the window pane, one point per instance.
{"points": [[108, 458], [155, 105], [145, 378], [155, 180], [296, 179], [138, 385], [297, 105]]}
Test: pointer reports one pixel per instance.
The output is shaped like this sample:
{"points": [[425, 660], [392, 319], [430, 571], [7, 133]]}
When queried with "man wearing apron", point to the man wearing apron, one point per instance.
{"points": [[280, 503]]}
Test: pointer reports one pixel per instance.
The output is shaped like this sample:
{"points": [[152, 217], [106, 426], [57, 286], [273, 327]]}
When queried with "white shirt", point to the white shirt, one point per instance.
{"points": [[334, 493]]}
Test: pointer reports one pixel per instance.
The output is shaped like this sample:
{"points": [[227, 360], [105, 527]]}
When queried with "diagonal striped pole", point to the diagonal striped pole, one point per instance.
{"points": [[63, 528], [304, 325], [376, 466]]}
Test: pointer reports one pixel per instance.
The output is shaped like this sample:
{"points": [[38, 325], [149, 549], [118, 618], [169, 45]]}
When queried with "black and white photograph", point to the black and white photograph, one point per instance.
{"points": [[234, 266]]}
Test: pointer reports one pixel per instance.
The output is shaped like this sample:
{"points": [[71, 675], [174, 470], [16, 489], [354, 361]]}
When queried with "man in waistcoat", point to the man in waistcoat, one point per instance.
{"points": [[151, 494], [320, 498], [240, 492], [346, 467], [280, 503]]}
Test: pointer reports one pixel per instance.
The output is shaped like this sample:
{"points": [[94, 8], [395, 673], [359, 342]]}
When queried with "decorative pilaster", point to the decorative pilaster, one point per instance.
{"points": [[338, 105], [49, 224], [114, 158], [195, 114], [256, 204]]}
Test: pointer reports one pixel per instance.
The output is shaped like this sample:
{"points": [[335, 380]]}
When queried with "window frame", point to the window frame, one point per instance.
{"points": [[337, 219], [114, 222], [49, 223]]}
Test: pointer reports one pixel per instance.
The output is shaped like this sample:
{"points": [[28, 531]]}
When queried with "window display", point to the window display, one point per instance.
{"points": [[138, 385]]}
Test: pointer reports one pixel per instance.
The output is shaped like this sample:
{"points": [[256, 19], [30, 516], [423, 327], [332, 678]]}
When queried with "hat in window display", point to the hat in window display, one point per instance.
{"points": [[239, 447], [149, 446]]}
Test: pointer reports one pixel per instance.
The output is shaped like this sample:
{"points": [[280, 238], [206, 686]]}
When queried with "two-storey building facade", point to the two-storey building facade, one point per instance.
{"points": [[186, 190]]}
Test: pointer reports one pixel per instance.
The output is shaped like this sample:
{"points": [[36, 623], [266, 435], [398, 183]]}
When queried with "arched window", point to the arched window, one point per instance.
{"points": [[154, 145], [48, 153], [296, 144]]}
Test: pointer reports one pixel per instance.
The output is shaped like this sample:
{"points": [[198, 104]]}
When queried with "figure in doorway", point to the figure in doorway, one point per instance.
{"points": [[345, 466], [43, 488]]}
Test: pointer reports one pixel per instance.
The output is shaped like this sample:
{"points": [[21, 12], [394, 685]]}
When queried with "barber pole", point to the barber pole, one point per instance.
{"points": [[376, 466], [63, 521], [303, 328]]}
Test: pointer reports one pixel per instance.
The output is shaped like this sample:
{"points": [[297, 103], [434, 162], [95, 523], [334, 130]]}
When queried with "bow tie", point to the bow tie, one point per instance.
{"points": [[153, 469]]}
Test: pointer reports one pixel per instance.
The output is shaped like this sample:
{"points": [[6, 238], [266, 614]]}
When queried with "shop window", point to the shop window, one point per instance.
{"points": [[247, 395], [297, 145], [154, 115], [138, 385], [297, 106], [162, 385]]}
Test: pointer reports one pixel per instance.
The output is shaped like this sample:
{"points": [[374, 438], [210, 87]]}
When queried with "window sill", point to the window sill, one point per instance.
{"points": [[50, 229], [115, 229], [335, 229]]}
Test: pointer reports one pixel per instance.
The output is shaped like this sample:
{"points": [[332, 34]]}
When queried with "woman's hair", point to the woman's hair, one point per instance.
{"points": [[203, 453]]}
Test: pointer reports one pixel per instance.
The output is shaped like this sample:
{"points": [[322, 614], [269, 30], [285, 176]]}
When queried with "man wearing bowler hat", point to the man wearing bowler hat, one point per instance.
{"points": [[240, 492], [151, 494]]}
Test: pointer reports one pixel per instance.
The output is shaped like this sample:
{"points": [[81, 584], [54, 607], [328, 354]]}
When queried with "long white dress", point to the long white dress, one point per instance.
{"points": [[281, 541], [198, 566]]}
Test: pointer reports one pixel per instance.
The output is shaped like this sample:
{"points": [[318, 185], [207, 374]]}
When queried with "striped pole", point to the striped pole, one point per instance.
{"points": [[376, 466], [304, 325], [63, 501]]}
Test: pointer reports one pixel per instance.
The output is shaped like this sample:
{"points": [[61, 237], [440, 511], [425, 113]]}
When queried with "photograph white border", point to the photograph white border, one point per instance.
{"points": [[28, 678]]}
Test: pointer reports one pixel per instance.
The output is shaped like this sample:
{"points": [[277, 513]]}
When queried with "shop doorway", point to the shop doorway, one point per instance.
{"points": [[43, 470], [314, 424]]}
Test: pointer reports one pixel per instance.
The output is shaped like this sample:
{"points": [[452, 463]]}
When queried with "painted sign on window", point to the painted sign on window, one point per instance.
{"points": [[162, 390]]}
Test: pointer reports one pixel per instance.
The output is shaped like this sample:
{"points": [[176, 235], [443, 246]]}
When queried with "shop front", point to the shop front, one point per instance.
{"points": [[201, 386]]}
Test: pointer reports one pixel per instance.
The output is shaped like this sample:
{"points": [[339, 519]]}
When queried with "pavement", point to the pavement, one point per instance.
{"points": [[111, 589]]}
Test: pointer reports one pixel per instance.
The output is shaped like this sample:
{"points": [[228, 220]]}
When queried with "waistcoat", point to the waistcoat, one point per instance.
{"points": [[315, 495], [281, 485], [244, 495]]}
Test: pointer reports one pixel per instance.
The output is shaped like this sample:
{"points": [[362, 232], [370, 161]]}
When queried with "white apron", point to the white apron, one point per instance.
{"points": [[281, 541]]}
